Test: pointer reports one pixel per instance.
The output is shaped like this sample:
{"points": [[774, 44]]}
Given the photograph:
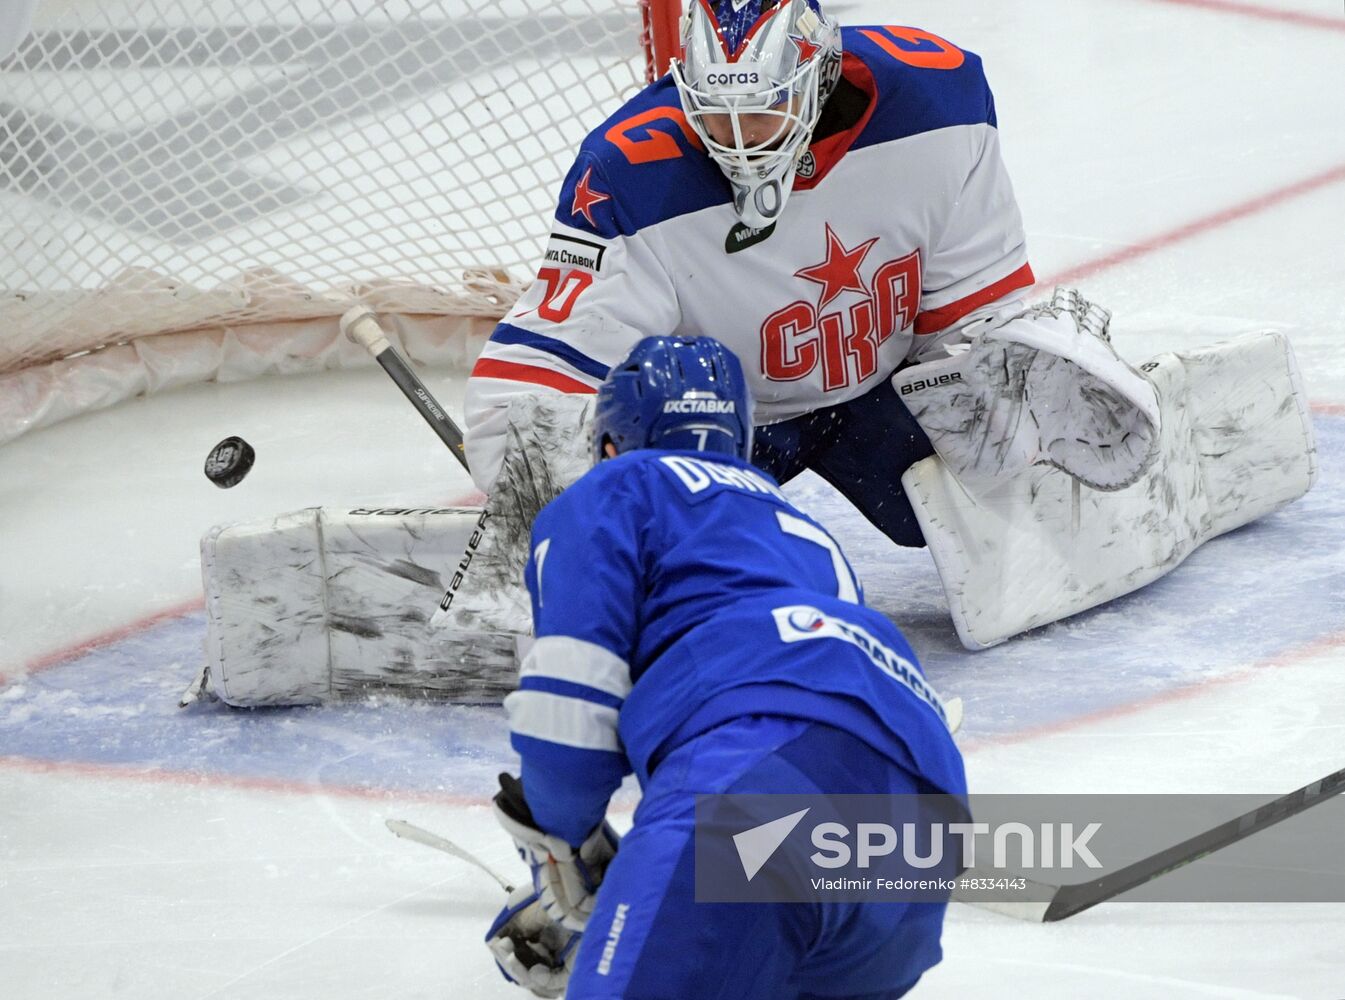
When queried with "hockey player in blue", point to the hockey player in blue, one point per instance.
{"points": [[693, 627]]}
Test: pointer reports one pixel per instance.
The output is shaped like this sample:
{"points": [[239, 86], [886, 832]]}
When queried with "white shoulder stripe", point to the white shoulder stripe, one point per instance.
{"points": [[571, 722], [566, 659]]}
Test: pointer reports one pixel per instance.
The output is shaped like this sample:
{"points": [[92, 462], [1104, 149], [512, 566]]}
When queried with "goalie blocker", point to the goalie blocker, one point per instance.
{"points": [[324, 604]]}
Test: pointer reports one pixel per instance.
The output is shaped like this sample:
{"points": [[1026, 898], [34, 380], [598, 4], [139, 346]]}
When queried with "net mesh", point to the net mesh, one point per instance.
{"points": [[171, 165]]}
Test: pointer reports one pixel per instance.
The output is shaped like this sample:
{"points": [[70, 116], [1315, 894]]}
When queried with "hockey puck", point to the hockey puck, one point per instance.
{"points": [[229, 461]]}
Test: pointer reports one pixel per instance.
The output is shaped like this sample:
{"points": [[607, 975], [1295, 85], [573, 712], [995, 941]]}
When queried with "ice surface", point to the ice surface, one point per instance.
{"points": [[151, 852]]}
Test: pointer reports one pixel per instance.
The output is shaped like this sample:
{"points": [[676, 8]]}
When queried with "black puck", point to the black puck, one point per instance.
{"points": [[229, 461]]}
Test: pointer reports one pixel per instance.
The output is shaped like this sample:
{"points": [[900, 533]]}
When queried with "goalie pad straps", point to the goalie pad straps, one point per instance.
{"points": [[1043, 387]]}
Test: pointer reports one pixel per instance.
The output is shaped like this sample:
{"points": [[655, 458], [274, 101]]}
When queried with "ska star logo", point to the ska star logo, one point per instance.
{"points": [[585, 198], [840, 271], [806, 48], [843, 341]]}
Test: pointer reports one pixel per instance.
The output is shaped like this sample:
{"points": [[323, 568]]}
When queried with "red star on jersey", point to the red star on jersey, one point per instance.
{"points": [[806, 48], [585, 198], [840, 271]]}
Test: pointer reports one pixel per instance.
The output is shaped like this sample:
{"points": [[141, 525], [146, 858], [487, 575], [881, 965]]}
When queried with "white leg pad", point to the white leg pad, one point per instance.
{"points": [[324, 604], [1236, 444]]}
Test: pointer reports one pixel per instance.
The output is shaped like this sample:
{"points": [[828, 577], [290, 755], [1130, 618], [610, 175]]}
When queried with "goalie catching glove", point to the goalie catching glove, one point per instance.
{"points": [[530, 948], [1041, 387], [565, 878]]}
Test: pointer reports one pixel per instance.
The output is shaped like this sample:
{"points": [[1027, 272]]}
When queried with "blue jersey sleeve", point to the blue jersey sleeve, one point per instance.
{"points": [[584, 576]]}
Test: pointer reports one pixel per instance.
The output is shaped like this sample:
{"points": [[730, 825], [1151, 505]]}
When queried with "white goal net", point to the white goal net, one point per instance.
{"points": [[170, 165]]}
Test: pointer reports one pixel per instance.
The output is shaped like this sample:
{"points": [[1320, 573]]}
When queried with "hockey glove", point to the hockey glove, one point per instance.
{"points": [[1040, 387], [1096, 417], [530, 948], [566, 878]]}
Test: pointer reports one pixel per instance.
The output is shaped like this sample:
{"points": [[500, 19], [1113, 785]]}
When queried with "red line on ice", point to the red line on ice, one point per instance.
{"points": [[67, 653], [473, 499], [1198, 227], [85, 769], [232, 782], [1290, 657], [1300, 18], [36, 765], [64, 654]]}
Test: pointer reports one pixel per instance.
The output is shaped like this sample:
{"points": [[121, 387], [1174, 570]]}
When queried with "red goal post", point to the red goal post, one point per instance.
{"points": [[662, 35], [196, 189]]}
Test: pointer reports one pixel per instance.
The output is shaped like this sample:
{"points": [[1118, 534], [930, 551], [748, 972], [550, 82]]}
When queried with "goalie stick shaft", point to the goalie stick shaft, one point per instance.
{"points": [[360, 326], [409, 831], [1067, 900]]}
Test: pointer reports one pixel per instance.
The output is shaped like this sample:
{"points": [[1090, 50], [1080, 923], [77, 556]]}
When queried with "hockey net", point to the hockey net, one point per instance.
{"points": [[240, 165]]}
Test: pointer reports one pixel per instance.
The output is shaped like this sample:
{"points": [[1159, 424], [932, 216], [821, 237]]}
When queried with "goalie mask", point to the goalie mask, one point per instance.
{"points": [[752, 81], [685, 393]]}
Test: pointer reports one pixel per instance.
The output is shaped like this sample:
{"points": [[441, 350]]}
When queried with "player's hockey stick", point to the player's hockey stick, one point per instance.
{"points": [[360, 326], [409, 831], [1066, 900]]}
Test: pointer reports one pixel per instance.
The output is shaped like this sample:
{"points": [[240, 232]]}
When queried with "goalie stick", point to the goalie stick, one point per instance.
{"points": [[1067, 900], [409, 831], [360, 326]]}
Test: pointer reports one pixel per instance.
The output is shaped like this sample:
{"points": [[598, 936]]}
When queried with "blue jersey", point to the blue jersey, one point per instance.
{"points": [[673, 591]]}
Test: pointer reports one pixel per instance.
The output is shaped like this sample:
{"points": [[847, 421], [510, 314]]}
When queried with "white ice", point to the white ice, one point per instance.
{"points": [[151, 853]]}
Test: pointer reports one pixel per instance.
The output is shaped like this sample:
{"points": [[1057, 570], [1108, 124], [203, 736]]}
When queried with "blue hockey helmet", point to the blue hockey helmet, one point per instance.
{"points": [[676, 393]]}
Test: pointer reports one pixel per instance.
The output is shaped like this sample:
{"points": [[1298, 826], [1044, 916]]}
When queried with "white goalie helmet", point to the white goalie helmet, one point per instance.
{"points": [[752, 79]]}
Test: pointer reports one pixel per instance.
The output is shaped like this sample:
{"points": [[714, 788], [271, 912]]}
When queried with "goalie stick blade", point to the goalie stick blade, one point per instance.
{"points": [[409, 831]]}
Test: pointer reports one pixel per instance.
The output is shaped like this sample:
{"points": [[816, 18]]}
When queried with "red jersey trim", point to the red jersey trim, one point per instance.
{"points": [[512, 371], [828, 152], [943, 317]]}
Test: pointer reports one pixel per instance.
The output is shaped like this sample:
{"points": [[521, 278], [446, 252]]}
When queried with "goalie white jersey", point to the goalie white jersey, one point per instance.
{"points": [[901, 227]]}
